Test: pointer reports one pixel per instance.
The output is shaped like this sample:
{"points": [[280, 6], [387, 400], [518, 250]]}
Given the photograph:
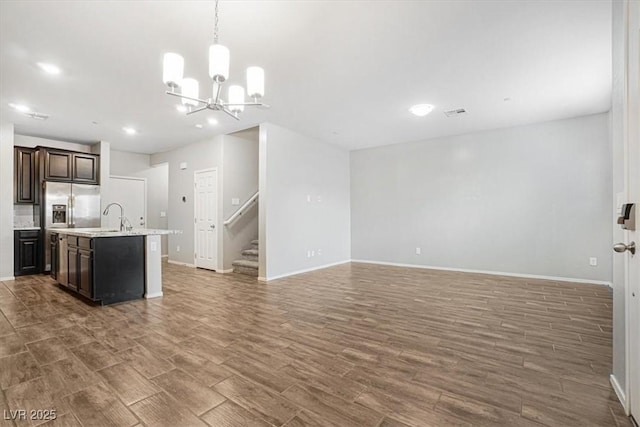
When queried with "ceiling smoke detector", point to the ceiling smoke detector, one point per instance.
{"points": [[456, 112]]}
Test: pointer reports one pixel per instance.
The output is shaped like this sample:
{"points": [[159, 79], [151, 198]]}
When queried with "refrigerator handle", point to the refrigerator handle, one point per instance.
{"points": [[70, 211]]}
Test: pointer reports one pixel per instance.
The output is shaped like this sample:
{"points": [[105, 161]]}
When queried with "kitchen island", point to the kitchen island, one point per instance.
{"points": [[108, 266]]}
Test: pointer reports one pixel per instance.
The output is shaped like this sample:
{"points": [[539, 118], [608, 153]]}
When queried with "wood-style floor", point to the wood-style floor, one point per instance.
{"points": [[354, 345]]}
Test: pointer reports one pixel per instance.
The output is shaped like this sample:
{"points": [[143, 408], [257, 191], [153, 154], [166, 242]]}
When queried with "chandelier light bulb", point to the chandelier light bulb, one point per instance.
{"points": [[255, 82], [172, 69], [219, 58], [236, 96], [190, 88]]}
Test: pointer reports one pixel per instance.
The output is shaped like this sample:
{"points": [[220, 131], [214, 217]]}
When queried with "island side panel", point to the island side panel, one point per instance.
{"points": [[119, 268], [153, 266]]}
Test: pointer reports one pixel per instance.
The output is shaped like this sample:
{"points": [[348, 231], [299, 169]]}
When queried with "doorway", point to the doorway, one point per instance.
{"points": [[131, 193], [206, 219]]}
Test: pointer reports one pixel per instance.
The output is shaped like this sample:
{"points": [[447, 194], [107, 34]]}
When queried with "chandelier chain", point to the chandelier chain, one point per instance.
{"points": [[215, 25]]}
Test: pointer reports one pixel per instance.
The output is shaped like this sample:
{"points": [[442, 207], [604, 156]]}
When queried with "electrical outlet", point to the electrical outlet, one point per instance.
{"points": [[178, 248], [308, 254], [319, 251], [309, 198], [593, 261], [319, 199], [313, 253], [418, 251], [163, 214]]}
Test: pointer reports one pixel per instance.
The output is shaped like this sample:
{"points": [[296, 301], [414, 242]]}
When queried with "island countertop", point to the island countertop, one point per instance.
{"points": [[108, 232]]}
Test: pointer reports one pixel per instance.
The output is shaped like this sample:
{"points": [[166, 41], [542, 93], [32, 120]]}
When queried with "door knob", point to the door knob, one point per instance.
{"points": [[213, 226], [621, 247]]}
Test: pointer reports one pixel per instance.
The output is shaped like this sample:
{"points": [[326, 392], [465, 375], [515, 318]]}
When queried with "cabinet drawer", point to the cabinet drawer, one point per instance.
{"points": [[85, 243], [72, 241], [28, 234]]}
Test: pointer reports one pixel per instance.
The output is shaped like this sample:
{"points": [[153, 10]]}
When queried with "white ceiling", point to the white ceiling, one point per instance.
{"points": [[342, 71]]}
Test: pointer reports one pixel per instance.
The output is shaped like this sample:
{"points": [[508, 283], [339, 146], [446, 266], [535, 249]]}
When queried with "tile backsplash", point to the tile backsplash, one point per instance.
{"points": [[26, 216]]}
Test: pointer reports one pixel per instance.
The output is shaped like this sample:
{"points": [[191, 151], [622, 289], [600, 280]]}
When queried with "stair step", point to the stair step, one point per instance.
{"points": [[245, 266], [255, 242], [245, 263], [250, 252]]}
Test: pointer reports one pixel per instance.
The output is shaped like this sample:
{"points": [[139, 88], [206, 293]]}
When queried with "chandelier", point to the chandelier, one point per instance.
{"points": [[188, 89]]}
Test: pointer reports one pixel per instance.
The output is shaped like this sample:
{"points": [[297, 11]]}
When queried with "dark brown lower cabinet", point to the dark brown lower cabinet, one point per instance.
{"points": [[85, 274], [106, 270], [72, 257], [80, 265], [26, 252]]}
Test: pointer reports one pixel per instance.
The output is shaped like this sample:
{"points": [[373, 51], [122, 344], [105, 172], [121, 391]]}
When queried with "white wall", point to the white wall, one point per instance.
{"points": [[240, 181], [293, 168], [526, 200], [139, 165], [198, 156], [6, 200]]}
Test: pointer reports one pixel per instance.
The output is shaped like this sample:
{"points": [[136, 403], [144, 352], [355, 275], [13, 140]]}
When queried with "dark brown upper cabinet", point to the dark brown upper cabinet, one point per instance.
{"points": [[85, 168], [25, 179], [57, 164], [69, 166]]}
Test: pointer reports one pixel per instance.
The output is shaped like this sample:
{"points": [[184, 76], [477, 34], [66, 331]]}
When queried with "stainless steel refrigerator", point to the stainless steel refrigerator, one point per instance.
{"points": [[69, 206]]}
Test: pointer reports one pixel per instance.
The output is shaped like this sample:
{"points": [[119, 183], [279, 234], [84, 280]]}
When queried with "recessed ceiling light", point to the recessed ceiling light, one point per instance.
{"points": [[20, 107], [49, 68], [421, 109], [212, 121], [199, 126], [181, 108], [130, 131]]}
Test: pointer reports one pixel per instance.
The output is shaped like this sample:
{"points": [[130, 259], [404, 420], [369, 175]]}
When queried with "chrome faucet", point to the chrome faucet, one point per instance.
{"points": [[123, 219]]}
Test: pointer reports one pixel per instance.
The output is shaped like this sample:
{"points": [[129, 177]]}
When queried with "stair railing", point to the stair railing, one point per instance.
{"points": [[253, 199]]}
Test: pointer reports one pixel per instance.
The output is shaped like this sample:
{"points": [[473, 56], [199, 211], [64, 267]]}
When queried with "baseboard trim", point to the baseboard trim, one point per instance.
{"points": [[153, 295], [493, 273], [619, 392], [165, 256], [6, 279], [184, 264], [225, 271], [306, 270]]}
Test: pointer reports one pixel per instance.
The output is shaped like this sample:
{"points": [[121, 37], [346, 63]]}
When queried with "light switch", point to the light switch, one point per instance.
{"points": [[163, 214], [235, 202], [154, 246]]}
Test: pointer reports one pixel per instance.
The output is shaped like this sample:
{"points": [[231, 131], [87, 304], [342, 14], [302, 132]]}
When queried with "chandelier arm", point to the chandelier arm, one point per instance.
{"points": [[235, 116], [248, 104], [179, 95], [217, 88], [198, 109]]}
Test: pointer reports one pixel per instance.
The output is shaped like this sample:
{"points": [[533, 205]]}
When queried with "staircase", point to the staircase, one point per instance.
{"points": [[249, 263]]}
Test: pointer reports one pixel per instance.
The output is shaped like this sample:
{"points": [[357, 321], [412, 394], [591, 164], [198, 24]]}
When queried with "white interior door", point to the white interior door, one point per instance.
{"points": [[131, 193], [206, 219], [632, 132]]}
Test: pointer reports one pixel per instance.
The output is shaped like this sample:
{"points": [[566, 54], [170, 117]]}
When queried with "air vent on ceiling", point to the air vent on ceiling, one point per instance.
{"points": [[37, 116], [456, 112]]}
